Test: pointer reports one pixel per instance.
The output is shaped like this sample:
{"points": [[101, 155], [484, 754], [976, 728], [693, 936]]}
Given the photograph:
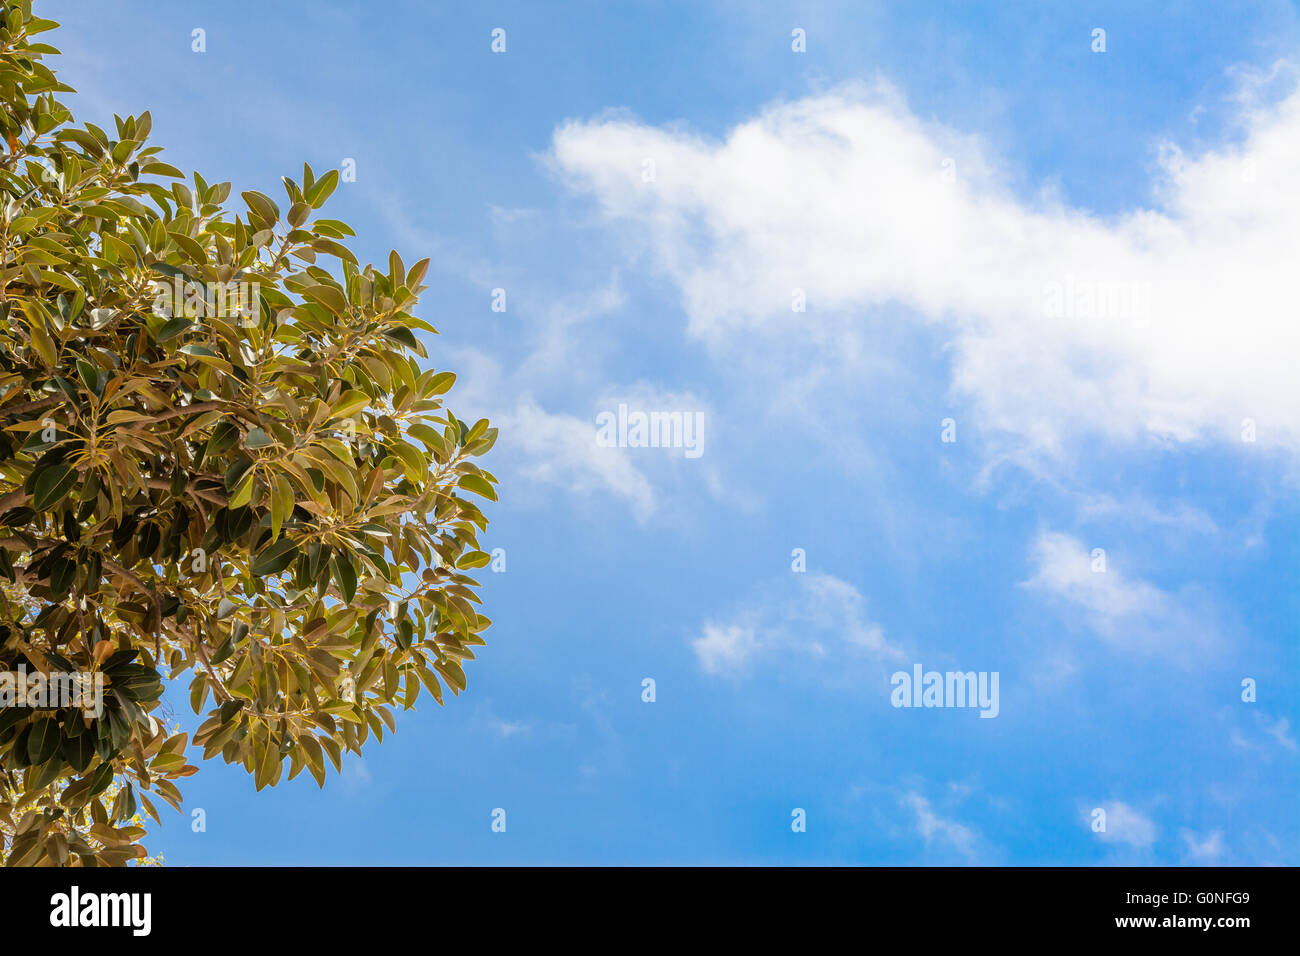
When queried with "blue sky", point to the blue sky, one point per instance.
{"points": [[925, 174]]}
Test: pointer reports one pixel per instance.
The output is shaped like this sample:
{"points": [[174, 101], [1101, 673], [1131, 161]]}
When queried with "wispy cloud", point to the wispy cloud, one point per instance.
{"points": [[1126, 612], [1280, 730], [1274, 731], [725, 649], [509, 728], [809, 618], [561, 449], [938, 830], [1204, 850], [1125, 824]]}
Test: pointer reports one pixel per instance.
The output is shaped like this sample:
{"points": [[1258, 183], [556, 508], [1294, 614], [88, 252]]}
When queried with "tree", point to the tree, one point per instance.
{"points": [[219, 461]]}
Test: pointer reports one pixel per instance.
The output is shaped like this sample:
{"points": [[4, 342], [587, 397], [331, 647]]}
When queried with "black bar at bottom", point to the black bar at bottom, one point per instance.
{"points": [[328, 906]]}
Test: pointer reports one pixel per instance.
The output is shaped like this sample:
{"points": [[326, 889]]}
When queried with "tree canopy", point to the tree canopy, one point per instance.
{"points": [[221, 463]]}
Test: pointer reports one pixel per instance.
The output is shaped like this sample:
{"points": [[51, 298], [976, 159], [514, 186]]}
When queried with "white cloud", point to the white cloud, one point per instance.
{"points": [[508, 728], [1279, 731], [723, 649], [814, 617], [561, 450], [836, 604], [936, 829], [1124, 611], [561, 348], [1177, 515], [843, 195], [549, 448], [1125, 824], [355, 776], [1204, 850]]}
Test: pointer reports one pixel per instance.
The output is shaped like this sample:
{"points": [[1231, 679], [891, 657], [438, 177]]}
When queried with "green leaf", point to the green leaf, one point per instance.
{"points": [[43, 741], [51, 485], [257, 438], [346, 576], [44, 774], [281, 504], [430, 436], [275, 557], [193, 251], [328, 296], [242, 493], [79, 751], [349, 403], [88, 375], [451, 672], [262, 206], [173, 328], [83, 139], [479, 485], [100, 780], [413, 462], [322, 188], [43, 344], [156, 168], [224, 649]]}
